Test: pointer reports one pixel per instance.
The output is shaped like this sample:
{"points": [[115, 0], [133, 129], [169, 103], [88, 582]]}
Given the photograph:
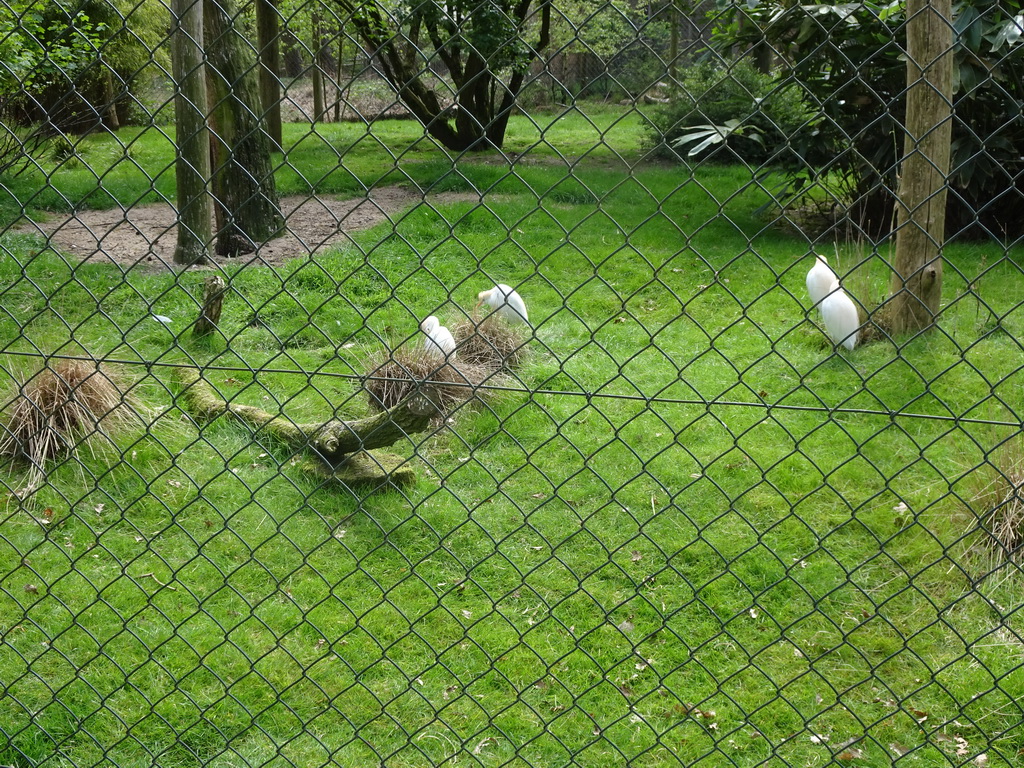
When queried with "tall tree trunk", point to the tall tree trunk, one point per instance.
{"points": [[192, 148], [673, 44], [339, 93], [916, 287], [245, 195], [270, 67], [318, 73]]}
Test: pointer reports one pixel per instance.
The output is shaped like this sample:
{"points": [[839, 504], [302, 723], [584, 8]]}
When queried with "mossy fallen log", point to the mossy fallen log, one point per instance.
{"points": [[378, 468], [340, 446]]}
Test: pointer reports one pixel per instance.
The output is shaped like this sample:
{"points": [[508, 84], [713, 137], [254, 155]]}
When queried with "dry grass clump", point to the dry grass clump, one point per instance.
{"points": [[401, 374], [61, 407], [999, 504], [491, 342]]}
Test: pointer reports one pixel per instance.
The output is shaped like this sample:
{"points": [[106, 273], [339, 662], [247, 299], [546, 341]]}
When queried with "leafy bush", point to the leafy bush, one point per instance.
{"points": [[712, 93], [72, 67], [848, 61]]}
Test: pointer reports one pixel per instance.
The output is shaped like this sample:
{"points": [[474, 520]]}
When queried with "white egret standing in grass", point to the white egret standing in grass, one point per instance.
{"points": [[840, 315], [504, 300], [439, 341], [819, 280]]}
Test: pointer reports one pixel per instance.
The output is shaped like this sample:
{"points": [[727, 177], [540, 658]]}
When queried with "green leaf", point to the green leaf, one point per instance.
{"points": [[1010, 33]]}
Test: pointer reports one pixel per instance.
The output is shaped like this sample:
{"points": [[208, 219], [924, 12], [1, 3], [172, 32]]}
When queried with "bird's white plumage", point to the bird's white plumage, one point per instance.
{"points": [[819, 280], [506, 302], [840, 315], [439, 341]]}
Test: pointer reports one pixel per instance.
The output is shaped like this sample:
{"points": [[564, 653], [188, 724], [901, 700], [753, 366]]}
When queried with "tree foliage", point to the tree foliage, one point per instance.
{"points": [[713, 93], [847, 60], [482, 45], [73, 64], [43, 43]]}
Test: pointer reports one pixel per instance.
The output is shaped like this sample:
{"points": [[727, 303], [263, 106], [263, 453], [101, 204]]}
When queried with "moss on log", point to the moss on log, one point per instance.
{"points": [[378, 468], [341, 445]]}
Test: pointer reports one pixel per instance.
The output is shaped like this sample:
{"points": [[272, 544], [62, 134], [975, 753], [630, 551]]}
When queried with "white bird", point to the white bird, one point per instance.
{"points": [[439, 341], [504, 300], [819, 280], [840, 315]]}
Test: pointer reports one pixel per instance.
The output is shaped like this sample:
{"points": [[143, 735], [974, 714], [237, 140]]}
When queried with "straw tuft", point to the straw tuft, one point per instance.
{"points": [[490, 342], [61, 407], [400, 375]]}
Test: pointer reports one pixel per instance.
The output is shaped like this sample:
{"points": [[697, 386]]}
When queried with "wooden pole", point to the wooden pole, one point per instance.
{"points": [[916, 286]]}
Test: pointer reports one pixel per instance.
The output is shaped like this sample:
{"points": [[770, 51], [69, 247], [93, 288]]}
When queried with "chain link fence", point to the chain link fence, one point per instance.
{"points": [[699, 500]]}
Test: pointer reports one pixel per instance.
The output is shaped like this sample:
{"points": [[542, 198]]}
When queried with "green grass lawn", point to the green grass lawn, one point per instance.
{"points": [[684, 533]]}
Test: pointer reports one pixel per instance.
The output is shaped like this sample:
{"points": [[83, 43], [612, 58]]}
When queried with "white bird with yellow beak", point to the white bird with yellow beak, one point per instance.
{"points": [[508, 304], [819, 280], [439, 342]]}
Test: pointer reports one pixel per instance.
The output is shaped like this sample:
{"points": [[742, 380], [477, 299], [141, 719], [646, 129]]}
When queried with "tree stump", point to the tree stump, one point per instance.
{"points": [[213, 299]]}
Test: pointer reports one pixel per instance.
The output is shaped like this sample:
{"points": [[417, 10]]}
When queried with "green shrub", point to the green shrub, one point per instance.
{"points": [[848, 60], [715, 92]]}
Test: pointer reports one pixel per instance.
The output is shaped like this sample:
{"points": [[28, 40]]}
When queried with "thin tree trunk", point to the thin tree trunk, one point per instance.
{"points": [[192, 150], [673, 44], [916, 287], [110, 96], [338, 93], [243, 180], [270, 69]]}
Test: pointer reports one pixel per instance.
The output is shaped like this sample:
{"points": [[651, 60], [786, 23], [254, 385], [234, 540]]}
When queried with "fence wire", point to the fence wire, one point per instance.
{"points": [[511, 384]]}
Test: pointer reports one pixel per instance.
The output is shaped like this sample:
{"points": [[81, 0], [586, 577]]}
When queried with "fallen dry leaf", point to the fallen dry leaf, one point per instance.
{"points": [[635, 556], [489, 741], [898, 749], [850, 754]]}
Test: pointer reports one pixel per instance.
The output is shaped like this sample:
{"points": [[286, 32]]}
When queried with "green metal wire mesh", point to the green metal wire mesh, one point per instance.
{"points": [[667, 522]]}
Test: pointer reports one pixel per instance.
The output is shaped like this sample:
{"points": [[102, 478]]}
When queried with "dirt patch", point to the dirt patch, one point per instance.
{"points": [[144, 236]]}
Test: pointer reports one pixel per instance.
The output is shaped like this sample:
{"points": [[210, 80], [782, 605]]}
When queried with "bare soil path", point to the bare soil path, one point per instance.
{"points": [[145, 235]]}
